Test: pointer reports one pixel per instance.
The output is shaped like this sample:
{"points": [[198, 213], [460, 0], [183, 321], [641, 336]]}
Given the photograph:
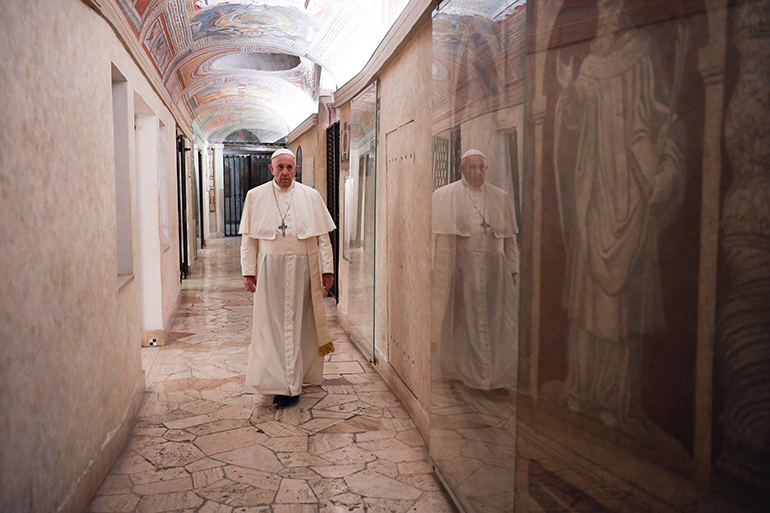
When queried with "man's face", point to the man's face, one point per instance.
{"points": [[283, 168], [609, 15], [474, 169]]}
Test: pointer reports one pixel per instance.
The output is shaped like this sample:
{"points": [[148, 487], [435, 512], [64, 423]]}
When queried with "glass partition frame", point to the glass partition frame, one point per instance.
{"points": [[478, 104], [360, 234]]}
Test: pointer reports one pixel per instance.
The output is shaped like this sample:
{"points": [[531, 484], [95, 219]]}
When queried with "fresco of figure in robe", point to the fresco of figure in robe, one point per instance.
{"points": [[620, 180]]}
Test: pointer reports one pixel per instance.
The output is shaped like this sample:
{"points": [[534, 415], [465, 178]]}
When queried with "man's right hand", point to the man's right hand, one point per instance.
{"points": [[250, 282]]}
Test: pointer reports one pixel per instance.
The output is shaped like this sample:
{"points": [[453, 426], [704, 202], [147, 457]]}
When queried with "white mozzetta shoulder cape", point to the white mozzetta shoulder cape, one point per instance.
{"points": [[451, 206], [260, 217]]}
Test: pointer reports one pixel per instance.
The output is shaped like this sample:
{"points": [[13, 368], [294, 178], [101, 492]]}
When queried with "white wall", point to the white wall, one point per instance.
{"points": [[149, 211], [70, 360], [163, 191]]}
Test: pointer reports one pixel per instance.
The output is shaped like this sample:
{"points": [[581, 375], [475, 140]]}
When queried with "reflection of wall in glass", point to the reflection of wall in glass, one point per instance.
{"points": [[477, 105], [360, 217], [350, 220]]}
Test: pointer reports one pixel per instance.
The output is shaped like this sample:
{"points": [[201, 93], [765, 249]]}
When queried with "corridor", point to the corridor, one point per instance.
{"points": [[200, 444], [550, 233]]}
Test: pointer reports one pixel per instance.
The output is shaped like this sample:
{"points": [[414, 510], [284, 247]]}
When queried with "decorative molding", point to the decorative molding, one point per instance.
{"points": [[711, 59], [111, 13], [303, 127], [94, 4], [414, 15], [538, 109], [124, 280], [713, 74], [711, 64], [545, 36], [742, 352]]}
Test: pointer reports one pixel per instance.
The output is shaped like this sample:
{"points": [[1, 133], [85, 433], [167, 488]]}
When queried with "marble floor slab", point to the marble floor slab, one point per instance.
{"points": [[200, 444]]}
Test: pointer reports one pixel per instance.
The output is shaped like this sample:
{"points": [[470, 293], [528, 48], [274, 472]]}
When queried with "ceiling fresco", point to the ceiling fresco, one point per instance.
{"points": [[258, 65]]}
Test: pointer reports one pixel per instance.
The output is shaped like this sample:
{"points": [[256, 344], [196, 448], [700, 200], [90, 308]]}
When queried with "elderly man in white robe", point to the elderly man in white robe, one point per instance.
{"points": [[475, 273], [286, 259]]}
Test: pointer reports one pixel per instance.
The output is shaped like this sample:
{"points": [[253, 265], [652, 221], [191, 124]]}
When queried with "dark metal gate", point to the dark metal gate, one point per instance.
{"points": [[332, 194], [181, 184], [242, 173], [201, 201]]}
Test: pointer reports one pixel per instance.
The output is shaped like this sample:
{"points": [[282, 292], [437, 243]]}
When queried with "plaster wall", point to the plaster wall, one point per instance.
{"points": [[70, 363], [171, 286], [159, 276], [149, 243], [404, 192], [313, 143]]}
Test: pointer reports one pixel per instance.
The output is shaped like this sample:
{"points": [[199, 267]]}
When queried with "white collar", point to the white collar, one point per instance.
{"points": [[471, 189], [278, 187]]}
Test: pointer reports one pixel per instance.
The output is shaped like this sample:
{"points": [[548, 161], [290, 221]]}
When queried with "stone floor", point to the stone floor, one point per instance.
{"points": [[473, 443], [201, 445]]}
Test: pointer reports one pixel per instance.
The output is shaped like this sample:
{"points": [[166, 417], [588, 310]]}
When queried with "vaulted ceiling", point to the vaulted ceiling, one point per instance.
{"points": [[258, 65]]}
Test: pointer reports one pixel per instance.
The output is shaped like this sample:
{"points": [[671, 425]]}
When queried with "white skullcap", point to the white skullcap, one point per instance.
{"points": [[471, 153], [282, 151]]}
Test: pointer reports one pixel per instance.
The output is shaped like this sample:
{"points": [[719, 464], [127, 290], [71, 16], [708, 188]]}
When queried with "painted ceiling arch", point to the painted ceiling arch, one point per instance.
{"points": [[255, 64]]}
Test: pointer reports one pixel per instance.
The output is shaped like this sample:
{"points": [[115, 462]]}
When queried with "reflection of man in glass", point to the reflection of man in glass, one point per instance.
{"points": [[476, 262], [620, 181]]}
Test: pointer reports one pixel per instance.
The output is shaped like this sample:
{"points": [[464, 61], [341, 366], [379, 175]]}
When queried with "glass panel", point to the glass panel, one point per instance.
{"points": [[360, 226], [478, 123], [640, 386]]}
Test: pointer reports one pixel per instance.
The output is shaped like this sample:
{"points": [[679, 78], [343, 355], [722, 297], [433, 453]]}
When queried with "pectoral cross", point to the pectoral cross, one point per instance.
{"points": [[485, 226], [283, 227]]}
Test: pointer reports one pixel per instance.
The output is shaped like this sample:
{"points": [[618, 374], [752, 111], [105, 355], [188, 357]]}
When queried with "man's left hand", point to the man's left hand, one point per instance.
{"points": [[328, 281]]}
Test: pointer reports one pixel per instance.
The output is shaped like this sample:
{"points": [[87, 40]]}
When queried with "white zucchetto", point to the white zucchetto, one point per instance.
{"points": [[471, 153], [282, 151]]}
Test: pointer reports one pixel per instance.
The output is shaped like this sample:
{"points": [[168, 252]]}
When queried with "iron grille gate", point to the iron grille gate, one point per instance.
{"points": [[201, 202], [181, 184], [242, 173], [332, 194]]}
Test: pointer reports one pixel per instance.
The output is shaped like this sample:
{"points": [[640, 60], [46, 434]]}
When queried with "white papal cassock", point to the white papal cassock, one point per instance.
{"points": [[289, 337], [474, 296]]}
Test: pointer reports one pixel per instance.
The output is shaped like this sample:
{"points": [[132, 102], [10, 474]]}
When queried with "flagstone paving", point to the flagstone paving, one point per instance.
{"points": [[201, 445]]}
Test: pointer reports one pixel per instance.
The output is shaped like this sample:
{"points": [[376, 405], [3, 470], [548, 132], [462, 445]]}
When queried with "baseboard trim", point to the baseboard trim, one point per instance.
{"points": [[158, 335], [101, 463], [407, 398], [343, 319]]}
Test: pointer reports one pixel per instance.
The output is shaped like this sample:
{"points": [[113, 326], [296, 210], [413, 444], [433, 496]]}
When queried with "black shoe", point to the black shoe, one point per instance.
{"points": [[283, 401]]}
